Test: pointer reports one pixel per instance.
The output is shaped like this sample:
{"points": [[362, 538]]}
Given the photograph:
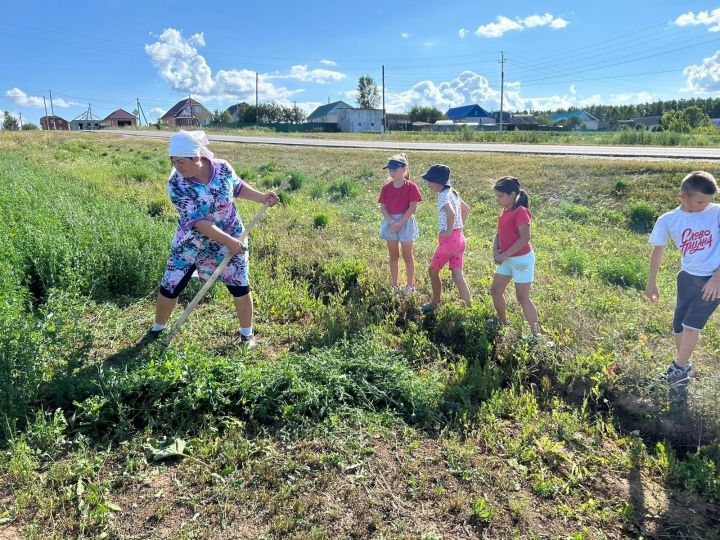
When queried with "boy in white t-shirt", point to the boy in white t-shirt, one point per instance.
{"points": [[694, 227]]}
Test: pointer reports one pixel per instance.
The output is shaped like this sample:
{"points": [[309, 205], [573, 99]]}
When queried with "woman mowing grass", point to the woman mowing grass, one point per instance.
{"points": [[202, 189]]}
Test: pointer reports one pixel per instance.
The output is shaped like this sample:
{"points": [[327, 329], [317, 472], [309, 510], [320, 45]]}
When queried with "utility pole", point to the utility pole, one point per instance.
{"points": [[192, 113], [502, 86], [257, 110], [20, 114], [52, 111], [140, 111], [47, 120], [382, 127]]}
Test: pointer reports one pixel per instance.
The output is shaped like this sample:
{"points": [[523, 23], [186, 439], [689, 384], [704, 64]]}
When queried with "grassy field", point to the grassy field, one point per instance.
{"points": [[356, 417], [707, 137]]}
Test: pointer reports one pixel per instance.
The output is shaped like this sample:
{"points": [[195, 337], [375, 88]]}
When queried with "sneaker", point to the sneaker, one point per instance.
{"points": [[149, 337], [248, 341], [408, 290], [397, 289], [675, 375], [427, 309]]}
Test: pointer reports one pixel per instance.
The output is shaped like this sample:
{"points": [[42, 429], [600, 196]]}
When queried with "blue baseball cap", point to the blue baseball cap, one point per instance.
{"points": [[395, 164], [438, 174]]}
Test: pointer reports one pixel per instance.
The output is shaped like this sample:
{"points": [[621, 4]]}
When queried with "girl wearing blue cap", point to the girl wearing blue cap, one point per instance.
{"points": [[398, 201]]}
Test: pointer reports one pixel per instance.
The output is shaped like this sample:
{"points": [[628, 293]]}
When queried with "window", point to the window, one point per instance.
{"points": [[359, 124], [206, 121], [188, 109], [197, 109], [372, 124]]}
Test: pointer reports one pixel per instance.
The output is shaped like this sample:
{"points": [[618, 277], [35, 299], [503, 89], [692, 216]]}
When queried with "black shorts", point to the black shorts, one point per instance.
{"points": [[691, 311], [236, 290]]}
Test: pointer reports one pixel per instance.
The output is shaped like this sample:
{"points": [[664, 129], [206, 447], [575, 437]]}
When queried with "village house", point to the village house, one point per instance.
{"points": [[118, 119], [186, 112], [327, 114], [590, 122], [54, 122]]}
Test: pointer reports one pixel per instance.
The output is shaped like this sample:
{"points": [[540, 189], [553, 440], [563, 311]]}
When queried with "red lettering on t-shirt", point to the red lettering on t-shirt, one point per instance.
{"points": [[692, 242]]}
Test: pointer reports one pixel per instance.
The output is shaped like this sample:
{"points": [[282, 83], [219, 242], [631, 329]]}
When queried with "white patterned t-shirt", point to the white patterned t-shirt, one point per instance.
{"points": [[448, 196]]}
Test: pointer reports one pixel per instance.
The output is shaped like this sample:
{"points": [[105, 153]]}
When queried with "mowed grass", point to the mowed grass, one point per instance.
{"points": [[357, 417]]}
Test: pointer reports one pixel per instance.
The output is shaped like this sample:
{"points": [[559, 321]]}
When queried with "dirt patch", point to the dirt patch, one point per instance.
{"points": [[8, 532]]}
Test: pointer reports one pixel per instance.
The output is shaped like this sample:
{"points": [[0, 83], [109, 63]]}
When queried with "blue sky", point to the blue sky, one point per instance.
{"points": [[443, 54]]}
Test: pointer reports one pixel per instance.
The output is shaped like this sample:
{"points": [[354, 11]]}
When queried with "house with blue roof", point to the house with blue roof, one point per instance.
{"points": [[471, 114], [328, 114], [591, 123]]}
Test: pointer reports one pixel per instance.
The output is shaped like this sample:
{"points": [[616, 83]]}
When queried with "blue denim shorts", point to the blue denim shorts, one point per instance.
{"points": [[520, 268], [407, 233]]}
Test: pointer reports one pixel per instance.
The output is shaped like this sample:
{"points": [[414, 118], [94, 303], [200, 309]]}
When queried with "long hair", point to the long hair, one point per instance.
{"points": [[510, 185]]}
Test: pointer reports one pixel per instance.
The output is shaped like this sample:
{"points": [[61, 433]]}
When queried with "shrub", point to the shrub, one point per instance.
{"points": [[343, 188], [624, 271], [317, 190], [574, 261], [576, 212], [297, 179], [621, 187], [320, 221], [285, 198], [642, 216]]}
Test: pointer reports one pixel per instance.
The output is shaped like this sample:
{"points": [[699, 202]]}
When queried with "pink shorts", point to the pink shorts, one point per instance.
{"points": [[449, 251]]}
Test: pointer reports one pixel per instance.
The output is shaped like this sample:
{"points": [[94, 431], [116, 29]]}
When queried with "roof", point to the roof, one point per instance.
{"points": [[646, 120], [467, 111], [322, 110], [120, 114], [582, 115], [51, 117], [523, 119], [179, 107]]}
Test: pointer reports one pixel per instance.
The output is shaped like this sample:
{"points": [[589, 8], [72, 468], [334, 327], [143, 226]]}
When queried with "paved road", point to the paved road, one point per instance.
{"points": [[656, 152]]}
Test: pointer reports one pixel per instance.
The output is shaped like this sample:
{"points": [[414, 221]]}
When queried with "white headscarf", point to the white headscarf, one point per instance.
{"points": [[189, 144]]}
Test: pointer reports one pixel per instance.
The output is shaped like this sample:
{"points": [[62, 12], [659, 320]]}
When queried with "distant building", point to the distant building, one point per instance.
{"points": [[590, 122], [119, 119], [187, 112], [470, 114], [715, 122], [85, 121], [648, 122], [327, 114], [398, 122], [54, 123], [236, 110], [359, 120]]}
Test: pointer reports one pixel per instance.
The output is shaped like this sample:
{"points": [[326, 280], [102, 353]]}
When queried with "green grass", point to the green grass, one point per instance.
{"points": [[356, 411]]}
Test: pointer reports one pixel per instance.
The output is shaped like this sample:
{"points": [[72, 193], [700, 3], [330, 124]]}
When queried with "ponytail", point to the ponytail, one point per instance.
{"points": [[522, 199], [510, 185]]}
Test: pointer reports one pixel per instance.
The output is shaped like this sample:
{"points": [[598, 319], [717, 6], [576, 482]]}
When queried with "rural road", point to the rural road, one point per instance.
{"points": [[653, 152]]}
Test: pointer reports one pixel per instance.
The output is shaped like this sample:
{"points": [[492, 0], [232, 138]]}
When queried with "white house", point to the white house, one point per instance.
{"points": [[359, 120]]}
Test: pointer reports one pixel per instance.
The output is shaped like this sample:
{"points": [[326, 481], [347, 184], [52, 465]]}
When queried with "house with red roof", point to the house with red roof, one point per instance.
{"points": [[187, 112]]}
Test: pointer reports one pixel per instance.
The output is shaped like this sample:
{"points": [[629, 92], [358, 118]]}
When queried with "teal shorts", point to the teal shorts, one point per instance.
{"points": [[520, 268]]}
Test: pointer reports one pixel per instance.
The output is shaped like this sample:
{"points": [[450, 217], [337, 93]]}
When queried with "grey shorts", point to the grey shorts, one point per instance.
{"points": [[407, 233], [691, 311]]}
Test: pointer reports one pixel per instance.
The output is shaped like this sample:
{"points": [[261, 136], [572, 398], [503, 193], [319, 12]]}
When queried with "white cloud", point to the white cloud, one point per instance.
{"points": [[711, 19], [506, 24], [705, 77], [19, 97], [463, 32], [469, 87], [624, 99], [572, 89], [328, 63], [187, 71], [302, 73], [405, 35]]}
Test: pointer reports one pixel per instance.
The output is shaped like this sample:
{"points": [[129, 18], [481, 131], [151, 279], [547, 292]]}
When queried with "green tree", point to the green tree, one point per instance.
{"points": [[368, 96], [425, 114], [10, 122], [696, 117], [27, 126], [675, 121], [221, 118]]}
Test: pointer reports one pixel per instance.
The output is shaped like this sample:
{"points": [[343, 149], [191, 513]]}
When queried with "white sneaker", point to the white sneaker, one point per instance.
{"points": [[407, 289]]}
